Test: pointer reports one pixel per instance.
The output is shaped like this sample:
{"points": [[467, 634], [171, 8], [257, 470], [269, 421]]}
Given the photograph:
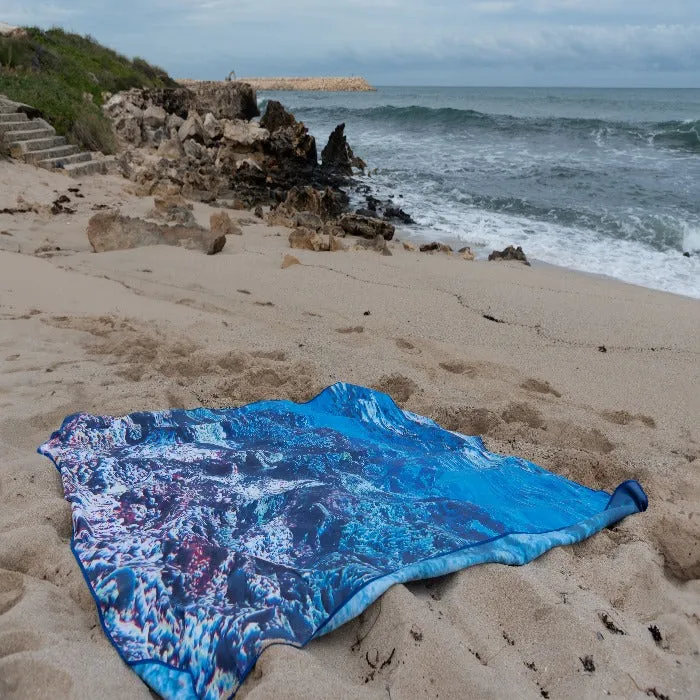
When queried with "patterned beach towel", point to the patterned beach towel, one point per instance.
{"points": [[207, 535]]}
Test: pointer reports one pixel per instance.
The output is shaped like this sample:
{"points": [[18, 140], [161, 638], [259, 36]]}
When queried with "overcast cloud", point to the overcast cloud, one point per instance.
{"points": [[393, 42]]}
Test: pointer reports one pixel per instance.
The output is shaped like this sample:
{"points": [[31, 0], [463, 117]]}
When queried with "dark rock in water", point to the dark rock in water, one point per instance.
{"points": [[686, 254], [338, 156], [398, 213], [276, 117], [434, 247], [366, 227], [366, 212], [372, 203], [509, 253]]}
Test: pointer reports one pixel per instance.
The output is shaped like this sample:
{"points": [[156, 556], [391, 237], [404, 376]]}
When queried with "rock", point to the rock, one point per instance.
{"points": [[289, 260], [435, 246], [409, 246], [224, 99], [378, 244], [173, 208], [170, 148], [307, 219], [467, 253], [392, 212], [192, 129], [259, 212], [306, 239], [212, 127], [509, 253], [276, 117], [193, 149], [154, 116], [337, 155], [336, 244], [366, 212], [365, 226], [244, 136], [128, 129], [220, 224], [372, 203], [111, 231], [174, 122]]}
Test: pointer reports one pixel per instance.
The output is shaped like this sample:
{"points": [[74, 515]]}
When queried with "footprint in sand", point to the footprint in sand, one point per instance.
{"points": [[539, 387], [458, 368], [351, 329], [11, 590], [17, 641], [407, 347]]}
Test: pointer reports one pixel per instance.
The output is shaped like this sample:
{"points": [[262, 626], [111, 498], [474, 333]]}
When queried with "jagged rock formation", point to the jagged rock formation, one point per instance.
{"points": [[205, 157], [30, 138]]}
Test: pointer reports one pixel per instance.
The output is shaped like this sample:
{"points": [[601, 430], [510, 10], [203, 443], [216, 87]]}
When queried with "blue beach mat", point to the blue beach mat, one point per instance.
{"points": [[207, 535]]}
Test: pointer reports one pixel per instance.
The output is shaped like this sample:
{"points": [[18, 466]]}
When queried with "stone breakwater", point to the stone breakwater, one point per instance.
{"points": [[317, 84]]}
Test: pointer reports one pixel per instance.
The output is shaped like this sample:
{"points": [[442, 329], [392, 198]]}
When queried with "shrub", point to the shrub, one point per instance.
{"points": [[92, 130]]}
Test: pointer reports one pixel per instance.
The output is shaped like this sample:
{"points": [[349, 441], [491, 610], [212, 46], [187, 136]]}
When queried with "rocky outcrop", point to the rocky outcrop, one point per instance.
{"points": [[276, 117], [226, 99], [366, 227], [338, 156], [111, 231], [509, 253]]}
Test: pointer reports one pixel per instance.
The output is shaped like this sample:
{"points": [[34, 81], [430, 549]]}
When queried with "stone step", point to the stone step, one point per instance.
{"points": [[25, 134], [13, 117], [63, 162], [38, 144], [92, 167], [58, 153]]}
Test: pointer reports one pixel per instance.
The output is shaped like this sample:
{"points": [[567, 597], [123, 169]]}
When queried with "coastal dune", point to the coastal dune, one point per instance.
{"points": [[591, 378]]}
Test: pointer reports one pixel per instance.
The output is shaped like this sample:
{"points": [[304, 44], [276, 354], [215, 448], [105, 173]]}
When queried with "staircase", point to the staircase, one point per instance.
{"points": [[34, 141]]}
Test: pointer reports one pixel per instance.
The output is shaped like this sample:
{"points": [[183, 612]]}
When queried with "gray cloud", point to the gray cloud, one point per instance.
{"points": [[443, 41]]}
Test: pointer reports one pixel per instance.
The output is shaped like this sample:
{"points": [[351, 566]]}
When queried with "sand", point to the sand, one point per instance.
{"points": [[162, 327]]}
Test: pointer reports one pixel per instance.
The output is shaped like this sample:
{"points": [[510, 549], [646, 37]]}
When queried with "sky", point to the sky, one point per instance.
{"points": [[587, 43]]}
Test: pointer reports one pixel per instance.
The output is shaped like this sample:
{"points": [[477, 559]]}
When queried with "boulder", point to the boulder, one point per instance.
{"points": [[289, 260], [172, 121], [221, 224], [435, 247], [467, 253], [377, 244], [307, 219], [392, 212], [154, 117], [509, 253], [244, 137], [409, 246], [111, 231], [192, 129], [306, 239], [170, 148], [366, 227], [337, 155], [173, 208], [212, 127], [276, 117], [128, 129]]}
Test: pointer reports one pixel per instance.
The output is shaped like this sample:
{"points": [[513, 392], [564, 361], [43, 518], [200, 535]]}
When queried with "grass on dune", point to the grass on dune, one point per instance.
{"points": [[64, 76]]}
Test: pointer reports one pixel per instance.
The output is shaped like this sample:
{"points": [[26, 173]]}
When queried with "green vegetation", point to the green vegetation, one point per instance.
{"points": [[65, 75]]}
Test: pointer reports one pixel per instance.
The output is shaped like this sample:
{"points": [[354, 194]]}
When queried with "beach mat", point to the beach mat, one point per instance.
{"points": [[207, 535]]}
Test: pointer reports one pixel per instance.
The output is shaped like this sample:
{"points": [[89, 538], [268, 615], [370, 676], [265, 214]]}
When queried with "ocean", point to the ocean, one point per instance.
{"points": [[605, 181]]}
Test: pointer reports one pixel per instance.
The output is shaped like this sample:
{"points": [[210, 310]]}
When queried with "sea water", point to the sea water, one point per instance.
{"points": [[605, 181]]}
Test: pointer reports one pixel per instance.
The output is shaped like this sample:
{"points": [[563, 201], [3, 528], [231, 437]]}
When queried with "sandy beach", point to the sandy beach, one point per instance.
{"points": [[591, 378]]}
